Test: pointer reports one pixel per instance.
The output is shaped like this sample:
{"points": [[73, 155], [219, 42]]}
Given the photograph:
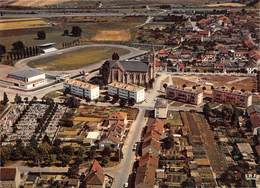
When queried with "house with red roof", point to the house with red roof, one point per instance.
{"points": [[146, 172], [95, 177], [9, 178]]}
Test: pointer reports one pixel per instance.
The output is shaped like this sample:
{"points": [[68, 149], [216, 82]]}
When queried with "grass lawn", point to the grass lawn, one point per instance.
{"points": [[175, 119], [76, 59]]}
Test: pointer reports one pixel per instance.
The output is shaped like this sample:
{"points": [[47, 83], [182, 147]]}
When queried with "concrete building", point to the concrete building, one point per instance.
{"points": [[238, 98], [25, 78], [47, 48], [82, 89], [161, 108], [9, 178], [127, 91], [184, 95]]}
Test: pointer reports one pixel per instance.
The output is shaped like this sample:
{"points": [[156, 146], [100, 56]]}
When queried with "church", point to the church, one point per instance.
{"points": [[139, 72]]}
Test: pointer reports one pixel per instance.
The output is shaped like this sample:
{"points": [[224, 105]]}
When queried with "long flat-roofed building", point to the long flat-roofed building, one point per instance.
{"points": [[82, 89], [25, 78], [235, 97], [184, 95], [127, 91]]}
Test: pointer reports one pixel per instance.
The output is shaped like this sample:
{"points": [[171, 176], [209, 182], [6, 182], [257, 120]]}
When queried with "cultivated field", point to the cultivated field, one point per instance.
{"points": [[76, 59], [30, 23], [112, 35], [93, 29]]}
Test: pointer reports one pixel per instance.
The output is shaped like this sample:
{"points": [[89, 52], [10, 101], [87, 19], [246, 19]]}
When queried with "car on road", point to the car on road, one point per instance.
{"points": [[125, 185]]}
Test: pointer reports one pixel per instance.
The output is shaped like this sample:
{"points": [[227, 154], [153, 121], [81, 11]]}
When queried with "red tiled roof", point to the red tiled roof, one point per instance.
{"points": [[117, 116], [7, 174], [95, 175], [157, 125], [149, 159], [152, 143]]}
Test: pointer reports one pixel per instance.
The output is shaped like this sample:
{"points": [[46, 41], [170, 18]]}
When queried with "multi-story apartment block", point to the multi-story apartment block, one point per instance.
{"points": [[82, 89], [235, 97], [184, 95], [127, 91]]}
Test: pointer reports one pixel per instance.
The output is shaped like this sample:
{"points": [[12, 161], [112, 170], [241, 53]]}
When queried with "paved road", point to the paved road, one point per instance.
{"points": [[124, 169]]}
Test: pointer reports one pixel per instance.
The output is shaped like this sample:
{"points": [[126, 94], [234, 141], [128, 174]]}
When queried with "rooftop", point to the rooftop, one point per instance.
{"points": [[7, 174], [129, 87], [235, 92], [131, 66], [186, 90], [161, 103], [80, 84], [26, 73]]}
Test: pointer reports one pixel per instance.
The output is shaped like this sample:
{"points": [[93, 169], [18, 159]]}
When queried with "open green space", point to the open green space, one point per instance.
{"points": [[76, 59]]}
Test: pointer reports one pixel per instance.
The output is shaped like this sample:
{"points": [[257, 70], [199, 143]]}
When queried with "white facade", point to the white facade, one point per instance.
{"points": [[161, 109], [82, 89], [127, 91]]}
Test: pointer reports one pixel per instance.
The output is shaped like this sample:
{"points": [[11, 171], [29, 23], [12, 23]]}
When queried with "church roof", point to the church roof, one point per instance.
{"points": [[132, 66]]}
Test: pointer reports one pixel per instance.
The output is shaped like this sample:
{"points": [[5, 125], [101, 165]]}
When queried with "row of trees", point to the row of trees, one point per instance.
{"points": [[18, 51], [71, 44]]}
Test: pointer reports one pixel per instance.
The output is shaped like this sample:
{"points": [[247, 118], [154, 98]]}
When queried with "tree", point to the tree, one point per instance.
{"points": [[232, 88], [68, 150], [165, 86], [204, 88], [122, 102], [104, 71], [107, 97], [168, 142], [115, 98], [66, 32], [115, 56], [87, 99], [131, 101], [65, 159], [46, 139], [5, 154], [206, 110], [73, 171], [41, 35], [5, 99], [2, 49], [76, 31], [194, 87], [18, 46], [72, 102], [17, 99]]}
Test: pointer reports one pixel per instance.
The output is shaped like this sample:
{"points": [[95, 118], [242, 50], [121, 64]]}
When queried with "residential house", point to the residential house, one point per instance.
{"points": [[95, 177], [9, 178], [146, 172]]}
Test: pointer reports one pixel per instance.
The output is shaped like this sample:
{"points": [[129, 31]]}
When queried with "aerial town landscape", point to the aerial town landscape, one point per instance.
{"points": [[139, 94]]}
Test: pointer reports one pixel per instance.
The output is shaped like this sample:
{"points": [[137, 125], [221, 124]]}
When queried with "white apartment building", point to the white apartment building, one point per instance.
{"points": [[82, 89], [127, 91]]}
